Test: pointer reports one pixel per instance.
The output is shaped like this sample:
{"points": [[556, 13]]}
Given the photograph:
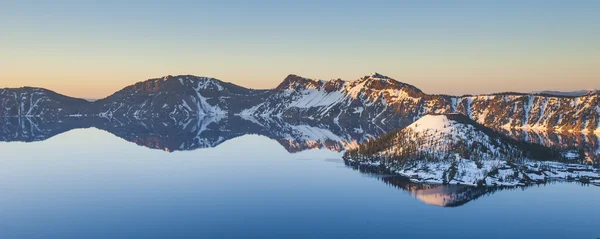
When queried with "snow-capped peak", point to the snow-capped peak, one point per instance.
{"points": [[377, 75], [432, 122], [450, 128], [296, 82]]}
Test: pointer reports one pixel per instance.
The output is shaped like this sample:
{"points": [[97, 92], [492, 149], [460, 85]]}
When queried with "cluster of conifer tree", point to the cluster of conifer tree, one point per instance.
{"points": [[463, 141]]}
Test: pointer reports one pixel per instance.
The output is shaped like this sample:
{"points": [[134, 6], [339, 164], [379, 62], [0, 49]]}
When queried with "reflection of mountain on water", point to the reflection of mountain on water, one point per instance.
{"points": [[30, 129], [194, 132], [210, 131]]}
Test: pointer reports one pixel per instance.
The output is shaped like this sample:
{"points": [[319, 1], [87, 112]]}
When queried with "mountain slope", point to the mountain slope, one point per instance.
{"points": [[34, 102], [542, 112], [373, 98], [179, 97], [383, 100]]}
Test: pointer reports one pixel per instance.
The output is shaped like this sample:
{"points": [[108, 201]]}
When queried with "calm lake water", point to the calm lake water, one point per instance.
{"points": [[87, 183]]}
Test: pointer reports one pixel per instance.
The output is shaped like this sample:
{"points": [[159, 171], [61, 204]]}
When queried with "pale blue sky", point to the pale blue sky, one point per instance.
{"points": [[91, 49]]}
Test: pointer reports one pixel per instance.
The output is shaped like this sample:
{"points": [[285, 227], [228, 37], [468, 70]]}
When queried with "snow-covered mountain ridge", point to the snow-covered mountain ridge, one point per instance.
{"points": [[378, 98], [373, 98]]}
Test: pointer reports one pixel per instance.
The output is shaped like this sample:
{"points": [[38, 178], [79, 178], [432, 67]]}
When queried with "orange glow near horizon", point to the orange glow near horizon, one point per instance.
{"points": [[92, 50], [99, 86]]}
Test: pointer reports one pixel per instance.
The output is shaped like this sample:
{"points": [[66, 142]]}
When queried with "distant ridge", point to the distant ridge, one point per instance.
{"points": [[568, 93]]}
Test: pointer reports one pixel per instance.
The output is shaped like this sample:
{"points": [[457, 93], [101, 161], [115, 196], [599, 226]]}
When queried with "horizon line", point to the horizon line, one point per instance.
{"points": [[536, 92]]}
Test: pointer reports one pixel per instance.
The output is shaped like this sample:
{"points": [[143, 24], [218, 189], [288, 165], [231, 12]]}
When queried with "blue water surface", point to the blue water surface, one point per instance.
{"points": [[87, 183]]}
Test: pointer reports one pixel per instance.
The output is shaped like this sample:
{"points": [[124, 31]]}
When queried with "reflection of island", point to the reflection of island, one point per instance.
{"points": [[433, 194], [442, 195]]}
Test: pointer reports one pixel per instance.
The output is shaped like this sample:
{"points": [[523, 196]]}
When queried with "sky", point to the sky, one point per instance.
{"points": [[91, 49]]}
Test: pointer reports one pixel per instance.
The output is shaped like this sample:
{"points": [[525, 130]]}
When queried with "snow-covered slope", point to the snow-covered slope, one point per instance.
{"points": [[37, 102], [383, 100], [537, 112], [374, 98], [453, 149], [178, 97]]}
